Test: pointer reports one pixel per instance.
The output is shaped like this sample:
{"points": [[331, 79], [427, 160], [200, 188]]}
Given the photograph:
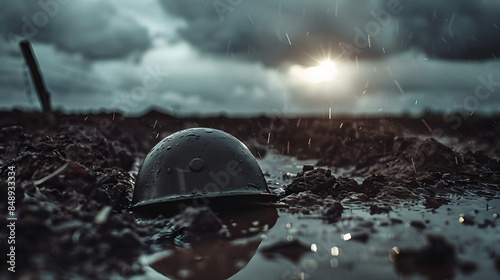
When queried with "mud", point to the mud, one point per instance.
{"points": [[75, 180]]}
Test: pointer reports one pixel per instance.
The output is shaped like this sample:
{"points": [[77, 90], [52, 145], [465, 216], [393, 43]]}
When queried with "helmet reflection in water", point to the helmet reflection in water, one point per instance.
{"points": [[222, 257], [199, 166]]}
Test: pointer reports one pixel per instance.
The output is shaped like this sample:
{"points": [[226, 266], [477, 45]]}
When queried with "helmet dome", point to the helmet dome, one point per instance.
{"points": [[198, 165]]}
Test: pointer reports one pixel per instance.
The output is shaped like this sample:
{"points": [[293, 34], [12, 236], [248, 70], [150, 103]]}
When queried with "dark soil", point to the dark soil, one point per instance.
{"points": [[74, 182]]}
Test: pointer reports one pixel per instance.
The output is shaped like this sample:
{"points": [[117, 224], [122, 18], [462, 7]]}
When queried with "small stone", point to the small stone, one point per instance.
{"points": [[418, 225], [307, 167]]}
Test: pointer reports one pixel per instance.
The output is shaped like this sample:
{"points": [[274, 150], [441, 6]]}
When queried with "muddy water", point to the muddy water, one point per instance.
{"points": [[358, 245]]}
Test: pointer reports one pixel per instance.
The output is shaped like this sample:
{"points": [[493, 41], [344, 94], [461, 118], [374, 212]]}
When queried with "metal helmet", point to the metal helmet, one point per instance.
{"points": [[198, 166]]}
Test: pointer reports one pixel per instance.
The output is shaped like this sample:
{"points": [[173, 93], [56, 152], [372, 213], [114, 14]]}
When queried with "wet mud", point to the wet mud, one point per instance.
{"points": [[354, 190]]}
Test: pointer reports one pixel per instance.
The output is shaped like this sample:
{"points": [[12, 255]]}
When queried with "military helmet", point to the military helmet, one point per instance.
{"points": [[198, 166]]}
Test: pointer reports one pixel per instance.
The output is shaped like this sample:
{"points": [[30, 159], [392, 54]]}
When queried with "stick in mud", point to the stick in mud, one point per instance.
{"points": [[36, 75]]}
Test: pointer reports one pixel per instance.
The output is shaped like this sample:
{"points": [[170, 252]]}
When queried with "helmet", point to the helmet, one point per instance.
{"points": [[198, 166]]}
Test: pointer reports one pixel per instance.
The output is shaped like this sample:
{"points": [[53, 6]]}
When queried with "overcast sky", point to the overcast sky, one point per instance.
{"points": [[255, 57]]}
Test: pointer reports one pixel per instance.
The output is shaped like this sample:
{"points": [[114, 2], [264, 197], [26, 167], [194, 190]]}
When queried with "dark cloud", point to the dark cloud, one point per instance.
{"points": [[465, 30], [203, 81], [93, 29], [258, 30]]}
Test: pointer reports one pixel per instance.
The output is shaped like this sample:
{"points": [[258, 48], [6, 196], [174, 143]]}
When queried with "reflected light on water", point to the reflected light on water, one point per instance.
{"points": [[346, 236], [314, 248], [334, 263], [394, 252], [335, 251], [312, 264], [461, 219]]}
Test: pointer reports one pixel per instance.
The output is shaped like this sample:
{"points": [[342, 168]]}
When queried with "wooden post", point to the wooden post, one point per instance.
{"points": [[36, 76]]}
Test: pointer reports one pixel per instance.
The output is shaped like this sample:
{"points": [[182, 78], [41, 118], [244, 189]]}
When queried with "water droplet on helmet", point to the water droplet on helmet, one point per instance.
{"points": [[169, 171], [169, 147], [208, 130]]}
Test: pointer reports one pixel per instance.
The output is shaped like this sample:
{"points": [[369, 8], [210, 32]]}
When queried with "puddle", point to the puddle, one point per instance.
{"points": [[279, 169], [358, 246]]}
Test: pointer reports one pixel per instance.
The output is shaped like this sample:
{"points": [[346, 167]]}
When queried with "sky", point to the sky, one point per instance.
{"points": [[260, 57]]}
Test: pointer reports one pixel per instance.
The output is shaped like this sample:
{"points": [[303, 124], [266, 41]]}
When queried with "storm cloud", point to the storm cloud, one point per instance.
{"points": [[277, 31], [242, 57], [92, 29]]}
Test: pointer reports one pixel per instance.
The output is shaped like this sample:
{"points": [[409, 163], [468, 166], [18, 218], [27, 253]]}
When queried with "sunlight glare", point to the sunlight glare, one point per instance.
{"points": [[324, 72]]}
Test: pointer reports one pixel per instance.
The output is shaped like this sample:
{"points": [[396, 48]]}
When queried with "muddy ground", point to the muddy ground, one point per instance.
{"points": [[74, 183]]}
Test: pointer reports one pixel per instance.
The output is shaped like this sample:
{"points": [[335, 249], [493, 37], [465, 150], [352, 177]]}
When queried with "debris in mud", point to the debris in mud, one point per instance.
{"points": [[360, 237], [308, 203], [292, 250], [73, 237], [312, 189], [437, 260], [319, 181], [71, 197], [375, 209], [466, 220], [359, 198], [435, 202], [333, 210], [396, 221], [309, 189], [190, 226], [306, 198], [415, 157], [307, 167], [467, 267], [418, 225]]}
